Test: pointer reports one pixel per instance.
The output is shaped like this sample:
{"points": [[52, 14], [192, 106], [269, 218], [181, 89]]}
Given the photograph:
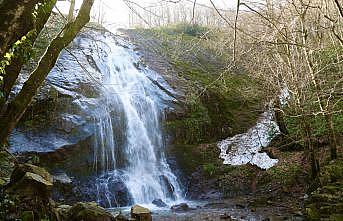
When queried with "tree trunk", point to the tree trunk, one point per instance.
{"points": [[279, 118], [17, 107], [71, 11], [340, 9], [13, 69], [332, 137], [16, 21]]}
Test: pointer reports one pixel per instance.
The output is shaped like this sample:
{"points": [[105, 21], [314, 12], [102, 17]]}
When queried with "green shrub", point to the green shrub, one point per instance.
{"points": [[193, 30], [209, 168]]}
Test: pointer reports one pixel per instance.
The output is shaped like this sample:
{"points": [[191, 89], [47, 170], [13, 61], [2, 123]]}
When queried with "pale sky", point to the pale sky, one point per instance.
{"points": [[116, 13]]}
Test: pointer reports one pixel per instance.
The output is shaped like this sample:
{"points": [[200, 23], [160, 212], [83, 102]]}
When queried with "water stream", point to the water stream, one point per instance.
{"points": [[129, 143]]}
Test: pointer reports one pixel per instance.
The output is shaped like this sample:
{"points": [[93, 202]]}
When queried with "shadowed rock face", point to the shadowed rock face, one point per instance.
{"points": [[60, 115], [59, 127]]}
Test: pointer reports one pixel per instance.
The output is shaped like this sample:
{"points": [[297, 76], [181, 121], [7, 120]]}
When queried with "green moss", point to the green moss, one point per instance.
{"points": [[285, 174], [219, 101], [332, 172], [236, 179], [336, 217], [6, 167], [327, 199], [193, 30], [312, 212], [210, 168]]}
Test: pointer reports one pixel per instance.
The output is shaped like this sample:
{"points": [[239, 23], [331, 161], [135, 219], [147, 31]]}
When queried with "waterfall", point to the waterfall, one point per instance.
{"points": [[129, 143]]}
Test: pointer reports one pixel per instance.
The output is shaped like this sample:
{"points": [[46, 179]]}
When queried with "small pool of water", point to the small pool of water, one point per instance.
{"points": [[213, 211]]}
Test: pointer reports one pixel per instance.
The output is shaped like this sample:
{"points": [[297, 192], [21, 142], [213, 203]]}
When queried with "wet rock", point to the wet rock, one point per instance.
{"points": [[63, 187], [200, 187], [120, 217], [159, 203], [276, 218], [240, 206], [140, 213], [118, 188], [225, 216], [182, 207], [170, 188], [216, 205], [113, 186], [62, 178], [89, 212]]}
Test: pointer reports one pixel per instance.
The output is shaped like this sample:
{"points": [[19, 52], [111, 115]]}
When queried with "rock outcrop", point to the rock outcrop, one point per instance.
{"points": [[28, 197], [89, 212]]}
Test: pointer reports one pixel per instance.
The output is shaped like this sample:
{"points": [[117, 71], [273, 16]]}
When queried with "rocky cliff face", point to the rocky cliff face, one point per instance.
{"points": [[79, 120], [59, 125]]}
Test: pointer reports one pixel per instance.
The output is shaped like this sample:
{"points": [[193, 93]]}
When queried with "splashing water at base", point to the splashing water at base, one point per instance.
{"points": [[129, 144]]}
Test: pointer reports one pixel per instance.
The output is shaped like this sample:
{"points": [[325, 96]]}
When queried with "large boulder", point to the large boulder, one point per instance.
{"points": [[20, 170], [140, 213], [89, 212], [29, 191], [30, 181]]}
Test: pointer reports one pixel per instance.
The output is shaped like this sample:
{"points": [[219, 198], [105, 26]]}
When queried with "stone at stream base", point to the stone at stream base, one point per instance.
{"points": [[29, 199], [182, 207], [140, 213], [120, 217], [159, 203], [30, 180], [89, 212], [61, 212], [29, 189], [225, 216]]}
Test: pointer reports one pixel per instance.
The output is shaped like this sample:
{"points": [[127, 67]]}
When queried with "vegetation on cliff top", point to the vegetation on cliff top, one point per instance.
{"points": [[219, 101]]}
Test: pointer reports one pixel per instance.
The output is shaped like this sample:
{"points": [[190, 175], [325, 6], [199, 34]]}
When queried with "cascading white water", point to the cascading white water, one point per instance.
{"points": [[129, 144]]}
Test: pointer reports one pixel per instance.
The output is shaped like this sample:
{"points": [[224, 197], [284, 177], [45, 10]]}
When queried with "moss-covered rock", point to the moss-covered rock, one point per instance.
{"points": [[30, 181], [61, 212], [88, 212], [21, 169], [27, 216], [28, 191], [327, 200], [6, 167]]}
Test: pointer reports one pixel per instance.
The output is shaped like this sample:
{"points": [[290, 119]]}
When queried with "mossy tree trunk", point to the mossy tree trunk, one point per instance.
{"points": [[279, 117], [13, 69], [16, 108], [16, 21], [71, 11]]}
